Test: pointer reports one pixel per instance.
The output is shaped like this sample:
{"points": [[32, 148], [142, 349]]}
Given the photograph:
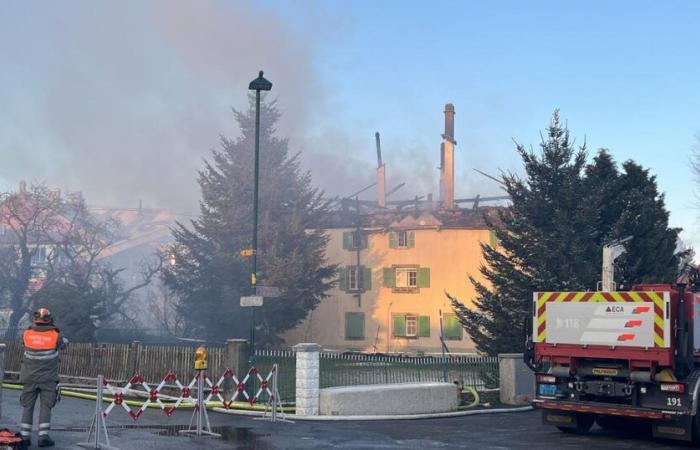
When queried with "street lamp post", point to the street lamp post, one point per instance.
{"points": [[257, 85]]}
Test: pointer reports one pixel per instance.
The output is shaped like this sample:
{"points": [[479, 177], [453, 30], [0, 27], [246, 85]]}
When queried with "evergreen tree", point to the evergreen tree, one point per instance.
{"points": [[652, 255], [563, 212], [209, 275]]}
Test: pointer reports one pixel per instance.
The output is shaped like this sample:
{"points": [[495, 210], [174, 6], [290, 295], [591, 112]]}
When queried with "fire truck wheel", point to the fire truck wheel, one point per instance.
{"points": [[584, 422], [696, 430]]}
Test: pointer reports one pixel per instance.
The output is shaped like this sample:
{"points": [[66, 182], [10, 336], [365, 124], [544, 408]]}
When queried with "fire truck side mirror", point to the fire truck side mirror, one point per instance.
{"points": [[529, 345]]}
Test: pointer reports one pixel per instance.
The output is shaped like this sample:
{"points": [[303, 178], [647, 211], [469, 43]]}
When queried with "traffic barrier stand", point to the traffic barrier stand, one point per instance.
{"points": [[274, 405], [200, 410], [98, 425]]}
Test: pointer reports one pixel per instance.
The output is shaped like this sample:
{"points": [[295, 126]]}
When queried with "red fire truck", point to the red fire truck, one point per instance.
{"points": [[616, 357]]}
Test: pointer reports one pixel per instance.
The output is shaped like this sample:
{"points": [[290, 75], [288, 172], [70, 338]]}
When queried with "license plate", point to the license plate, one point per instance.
{"points": [[548, 389]]}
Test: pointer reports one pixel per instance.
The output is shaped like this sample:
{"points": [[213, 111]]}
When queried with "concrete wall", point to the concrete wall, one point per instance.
{"points": [[389, 399], [451, 254], [517, 381]]}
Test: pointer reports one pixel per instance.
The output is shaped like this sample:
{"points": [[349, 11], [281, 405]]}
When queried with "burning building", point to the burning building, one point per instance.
{"points": [[396, 261]]}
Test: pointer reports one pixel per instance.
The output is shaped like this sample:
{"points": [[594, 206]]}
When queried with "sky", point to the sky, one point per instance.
{"points": [[124, 100]]}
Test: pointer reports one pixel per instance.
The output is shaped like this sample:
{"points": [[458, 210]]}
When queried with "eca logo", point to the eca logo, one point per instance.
{"points": [[615, 309]]}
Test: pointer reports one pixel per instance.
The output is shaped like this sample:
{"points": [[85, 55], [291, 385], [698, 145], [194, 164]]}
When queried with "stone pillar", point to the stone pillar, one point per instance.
{"points": [[517, 381], [2, 371], [307, 372], [236, 359]]}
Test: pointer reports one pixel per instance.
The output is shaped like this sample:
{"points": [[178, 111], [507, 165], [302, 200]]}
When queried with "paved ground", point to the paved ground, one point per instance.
{"points": [[155, 431]]}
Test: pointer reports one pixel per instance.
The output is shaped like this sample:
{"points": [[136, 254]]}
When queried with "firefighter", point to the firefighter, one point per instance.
{"points": [[39, 374]]}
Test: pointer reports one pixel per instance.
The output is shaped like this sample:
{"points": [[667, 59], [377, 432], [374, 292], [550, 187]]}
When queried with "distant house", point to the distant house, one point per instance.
{"points": [[140, 232], [40, 245]]}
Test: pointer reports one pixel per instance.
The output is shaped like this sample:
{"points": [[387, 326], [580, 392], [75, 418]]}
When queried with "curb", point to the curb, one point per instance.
{"points": [[388, 417]]}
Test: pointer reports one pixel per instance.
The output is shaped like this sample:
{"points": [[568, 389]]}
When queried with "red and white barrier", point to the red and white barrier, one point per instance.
{"points": [[187, 391], [192, 395]]}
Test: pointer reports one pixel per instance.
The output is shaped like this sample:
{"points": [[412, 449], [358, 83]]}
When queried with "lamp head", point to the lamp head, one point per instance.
{"points": [[260, 83]]}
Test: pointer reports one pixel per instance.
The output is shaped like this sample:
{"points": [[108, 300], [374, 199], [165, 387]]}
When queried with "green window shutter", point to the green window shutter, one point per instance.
{"points": [[343, 274], [411, 239], [453, 329], [367, 278], [493, 239], [424, 326], [392, 239], [398, 326], [423, 277], [347, 240], [354, 325], [364, 241], [389, 277]]}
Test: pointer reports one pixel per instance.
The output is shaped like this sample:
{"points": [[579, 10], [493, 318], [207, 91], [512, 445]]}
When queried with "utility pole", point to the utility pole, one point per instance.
{"points": [[359, 273], [257, 85]]}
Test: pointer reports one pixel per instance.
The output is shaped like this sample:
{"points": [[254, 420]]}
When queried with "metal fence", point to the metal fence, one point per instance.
{"points": [[353, 369], [287, 367], [118, 362], [343, 369]]}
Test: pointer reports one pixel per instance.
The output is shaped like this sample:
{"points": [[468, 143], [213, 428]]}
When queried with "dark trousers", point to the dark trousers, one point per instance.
{"points": [[46, 392]]}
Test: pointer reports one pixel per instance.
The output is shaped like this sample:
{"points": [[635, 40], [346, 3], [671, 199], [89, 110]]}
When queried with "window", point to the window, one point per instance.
{"points": [[354, 240], [453, 329], [354, 325], [406, 278], [39, 257], [402, 239], [355, 279], [410, 326]]}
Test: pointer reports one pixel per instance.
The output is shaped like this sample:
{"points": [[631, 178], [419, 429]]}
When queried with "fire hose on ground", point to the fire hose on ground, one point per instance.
{"points": [[241, 406], [84, 393]]}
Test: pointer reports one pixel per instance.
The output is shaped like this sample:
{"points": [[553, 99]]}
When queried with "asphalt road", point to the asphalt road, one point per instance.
{"points": [[155, 431]]}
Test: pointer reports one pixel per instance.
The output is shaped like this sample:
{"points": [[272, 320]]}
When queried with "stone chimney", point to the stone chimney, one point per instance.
{"points": [[447, 159], [75, 198], [381, 175], [55, 195]]}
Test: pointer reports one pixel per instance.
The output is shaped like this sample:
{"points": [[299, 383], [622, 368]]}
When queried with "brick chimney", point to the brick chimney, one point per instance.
{"points": [[447, 159]]}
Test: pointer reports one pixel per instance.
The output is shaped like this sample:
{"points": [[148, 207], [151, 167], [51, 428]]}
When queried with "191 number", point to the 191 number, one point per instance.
{"points": [[673, 401]]}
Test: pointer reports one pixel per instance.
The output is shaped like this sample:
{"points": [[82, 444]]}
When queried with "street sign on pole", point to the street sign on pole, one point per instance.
{"points": [[252, 300], [268, 291]]}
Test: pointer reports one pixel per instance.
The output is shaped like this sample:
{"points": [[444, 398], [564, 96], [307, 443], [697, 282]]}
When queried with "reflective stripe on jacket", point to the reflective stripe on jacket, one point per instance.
{"points": [[41, 344], [40, 361]]}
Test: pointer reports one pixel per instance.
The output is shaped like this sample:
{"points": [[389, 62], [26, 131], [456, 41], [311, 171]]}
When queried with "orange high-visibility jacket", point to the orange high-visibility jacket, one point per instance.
{"points": [[41, 340], [40, 362]]}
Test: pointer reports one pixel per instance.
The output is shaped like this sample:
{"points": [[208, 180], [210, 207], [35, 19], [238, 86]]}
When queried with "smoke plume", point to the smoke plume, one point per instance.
{"points": [[123, 100]]}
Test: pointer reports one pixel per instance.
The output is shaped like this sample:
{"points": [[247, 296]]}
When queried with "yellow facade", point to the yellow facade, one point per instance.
{"points": [[450, 255]]}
